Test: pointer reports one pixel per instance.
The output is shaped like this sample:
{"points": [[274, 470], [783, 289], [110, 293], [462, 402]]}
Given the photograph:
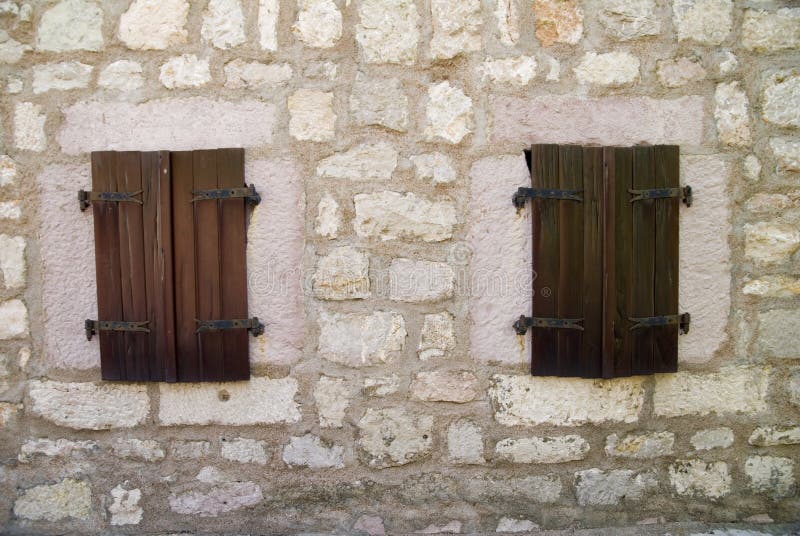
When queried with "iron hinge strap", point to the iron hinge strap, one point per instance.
{"points": [[524, 322], [524, 193], [253, 325], [682, 320], [95, 326], [86, 198], [248, 192], [685, 194]]}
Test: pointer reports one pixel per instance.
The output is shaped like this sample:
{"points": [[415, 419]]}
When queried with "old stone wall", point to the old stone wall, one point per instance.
{"points": [[389, 392]]}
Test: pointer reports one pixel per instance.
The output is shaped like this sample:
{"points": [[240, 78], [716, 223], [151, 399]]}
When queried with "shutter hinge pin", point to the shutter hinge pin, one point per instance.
{"points": [[249, 193], [524, 322], [253, 325], [682, 320], [86, 198], [95, 326], [685, 194], [522, 194]]}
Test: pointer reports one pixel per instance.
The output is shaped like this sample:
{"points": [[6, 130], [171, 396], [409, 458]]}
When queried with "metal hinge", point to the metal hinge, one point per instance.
{"points": [[685, 194], [523, 193], [249, 193], [86, 198], [524, 322], [253, 325], [95, 326], [683, 320]]}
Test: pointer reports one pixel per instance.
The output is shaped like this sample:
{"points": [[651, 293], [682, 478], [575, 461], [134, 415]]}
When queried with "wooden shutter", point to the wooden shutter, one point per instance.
{"points": [[601, 257], [133, 256]]}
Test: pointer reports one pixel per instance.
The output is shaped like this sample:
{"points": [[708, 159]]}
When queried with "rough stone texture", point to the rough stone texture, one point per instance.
{"points": [[88, 406], [456, 27], [605, 121], [311, 115], [63, 448], [730, 111], [268, 12], [787, 152], [542, 449], [189, 450], [777, 286], [558, 21], [629, 19], [465, 443], [449, 114], [225, 497], [10, 210], [329, 218], [319, 23], [310, 451], [436, 338], [697, 478], [61, 76], [538, 489], [358, 340], [678, 72], [11, 50], [393, 436], [52, 502], [771, 475], [168, 124], [332, 397], [125, 509], [771, 242], [779, 333], [507, 16], [154, 24], [704, 21], [29, 127], [780, 99], [71, 25], [420, 281], [712, 438], [372, 525], [734, 389], [13, 320], [259, 401], [365, 162], [8, 171], [184, 71], [395, 216], [531, 400], [445, 386], [517, 71], [385, 386], [343, 274], [244, 450], [641, 446], [122, 75], [612, 69], [138, 449], [388, 31], [434, 167], [12, 261], [223, 23], [771, 31], [255, 75], [777, 435], [597, 487], [379, 101]]}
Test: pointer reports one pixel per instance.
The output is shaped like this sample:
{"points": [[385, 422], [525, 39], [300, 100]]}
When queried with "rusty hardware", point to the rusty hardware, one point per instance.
{"points": [[522, 194], [685, 194], [249, 193], [86, 198], [94, 326], [253, 325], [683, 320], [524, 322]]}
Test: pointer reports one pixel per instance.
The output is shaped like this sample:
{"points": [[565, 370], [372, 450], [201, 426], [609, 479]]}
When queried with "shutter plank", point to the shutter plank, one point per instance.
{"points": [[544, 219], [207, 267], [609, 264], [570, 275], [132, 276], [186, 340], [623, 259], [667, 175], [233, 255], [107, 265], [592, 293], [644, 231]]}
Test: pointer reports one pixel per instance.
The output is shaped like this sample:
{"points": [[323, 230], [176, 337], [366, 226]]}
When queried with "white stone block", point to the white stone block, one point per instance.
{"points": [[388, 31], [612, 69], [457, 386], [558, 449], [465, 443], [705, 21], [13, 320], [771, 31], [61, 76], [154, 24], [332, 397], [71, 25], [310, 451], [223, 23], [395, 216], [359, 340], [456, 27], [29, 127], [449, 114], [68, 498], [420, 281], [184, 71], [394, 436], [319, 23], [12, 260], [311, 115], [373, 161]]}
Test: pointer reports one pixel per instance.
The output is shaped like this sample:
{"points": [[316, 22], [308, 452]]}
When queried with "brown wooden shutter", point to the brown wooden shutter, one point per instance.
{"points": [[601, 258]]}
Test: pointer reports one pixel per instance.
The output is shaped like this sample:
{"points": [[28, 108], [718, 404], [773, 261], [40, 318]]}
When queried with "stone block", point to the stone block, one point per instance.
{"points": [[771, 475], [779, 333], [394, 436], [771, 31], [449, 114], [375, 161], [69, 498], [342, 274], [697, 478], [310, 451], [445, 386], [775, 435], [465, 444], [154, 24], [705, 21], [780, 97], [456, 27], [640, 446], [420, 281], [245, 450], [379, 101], [61, 76], [223, 23], [396, 216], [595, 487], [712, 438], [436, 337], [311, 115], [71, 25], [332, 397], [388, 31], [558, 449], [558, 21], [319, 23], [359, 340], [184, 71], [612, 69], [731, 113]]}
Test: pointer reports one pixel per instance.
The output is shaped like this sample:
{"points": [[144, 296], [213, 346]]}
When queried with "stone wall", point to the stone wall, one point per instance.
{"points": [[390, 393]]}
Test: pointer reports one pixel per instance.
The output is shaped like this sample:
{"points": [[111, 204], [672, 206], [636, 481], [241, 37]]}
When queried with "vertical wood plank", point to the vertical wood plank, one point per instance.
{"points": [[643, 259], [183, 235], [207, 266], [570, 273], [134, 290], [107, 264], [623, 170], [544, 219], [233, 270], [609, 290], [590, 352], [667, 175]]}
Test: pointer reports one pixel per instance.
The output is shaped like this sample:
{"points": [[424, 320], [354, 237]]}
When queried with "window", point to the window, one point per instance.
{"points": [[170, 239], [605, 260]]}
